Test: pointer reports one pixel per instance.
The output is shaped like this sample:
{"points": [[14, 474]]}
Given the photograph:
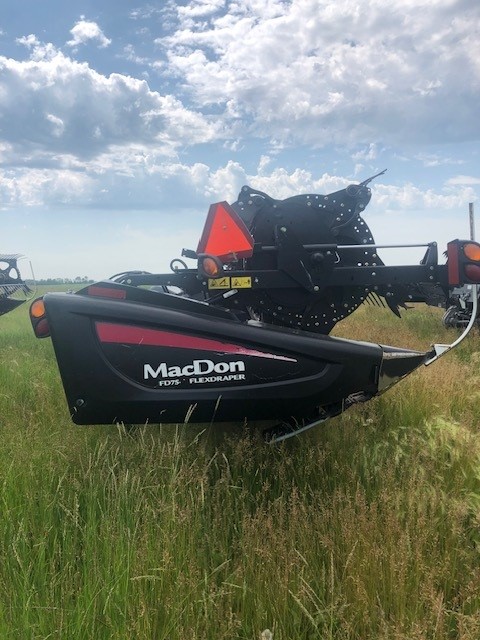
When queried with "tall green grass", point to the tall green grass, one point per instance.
{"points": [[365, 528]]}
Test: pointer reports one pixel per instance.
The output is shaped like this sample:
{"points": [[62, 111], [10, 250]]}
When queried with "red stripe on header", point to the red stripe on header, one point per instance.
{"points": [[107, 292], [126, 334]]}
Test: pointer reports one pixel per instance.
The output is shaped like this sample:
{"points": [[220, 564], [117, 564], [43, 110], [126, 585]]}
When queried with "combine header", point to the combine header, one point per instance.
{"points": [[244, 334], [14, 291]]}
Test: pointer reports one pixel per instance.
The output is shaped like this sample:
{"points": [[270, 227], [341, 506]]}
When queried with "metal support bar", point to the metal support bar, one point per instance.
{"points": [[335, 247], [278, 279]]}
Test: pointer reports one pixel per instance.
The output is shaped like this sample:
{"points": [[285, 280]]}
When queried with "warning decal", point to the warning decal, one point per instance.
{"points": [[242, 283], [219, 283]]}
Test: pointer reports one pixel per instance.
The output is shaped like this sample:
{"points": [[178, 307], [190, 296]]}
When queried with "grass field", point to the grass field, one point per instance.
{"points": [[366, 528]]}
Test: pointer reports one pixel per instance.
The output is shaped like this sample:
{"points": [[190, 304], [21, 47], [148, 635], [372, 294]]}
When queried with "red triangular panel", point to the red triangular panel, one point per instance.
{"points": [[225, 234]]}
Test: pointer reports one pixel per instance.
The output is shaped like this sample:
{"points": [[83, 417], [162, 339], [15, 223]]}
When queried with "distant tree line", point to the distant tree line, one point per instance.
{"points": [[77, 280]]}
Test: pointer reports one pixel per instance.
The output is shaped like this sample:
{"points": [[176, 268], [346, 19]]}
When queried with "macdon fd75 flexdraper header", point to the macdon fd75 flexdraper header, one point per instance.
{"points": [[244, 334]]}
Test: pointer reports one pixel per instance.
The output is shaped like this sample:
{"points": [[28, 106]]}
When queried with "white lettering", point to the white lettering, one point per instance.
{"points": [[207, 366], [168, 383], [149, 371], [204, 379], [197, 368]]}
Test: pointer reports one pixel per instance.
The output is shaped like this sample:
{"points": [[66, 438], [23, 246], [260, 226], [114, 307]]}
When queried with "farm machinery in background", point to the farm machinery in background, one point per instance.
{"points": [[14, 290], [457, 302], [243, 334], [459, 307]]}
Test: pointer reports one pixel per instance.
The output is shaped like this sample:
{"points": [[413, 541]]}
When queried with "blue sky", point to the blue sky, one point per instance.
{"points": [[121, 122]]}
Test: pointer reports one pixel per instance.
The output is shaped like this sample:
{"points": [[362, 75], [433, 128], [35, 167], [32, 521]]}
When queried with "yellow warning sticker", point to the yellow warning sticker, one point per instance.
{"points": [[242, 283], [219, 283]]}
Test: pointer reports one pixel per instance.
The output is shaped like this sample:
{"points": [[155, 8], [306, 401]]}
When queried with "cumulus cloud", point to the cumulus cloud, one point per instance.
{"points": [[52, 104], [200, 9], [410, 197], [85, 31], [294, 75], [143, 179], [317, 72], [39, 187]]}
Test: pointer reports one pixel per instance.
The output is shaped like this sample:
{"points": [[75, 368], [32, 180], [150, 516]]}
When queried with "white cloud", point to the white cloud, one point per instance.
{"points": [[146, 12], [317, 72], [367, 154], [29, 41], [463, 180], [200, 8], [85, 31], [435, 160], [141, 178], [410, 197], [305, 72], [39, 187], [52, 105], [130, 55], [58, 124]]}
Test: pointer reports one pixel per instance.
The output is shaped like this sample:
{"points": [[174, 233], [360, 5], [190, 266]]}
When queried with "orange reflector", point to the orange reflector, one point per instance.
{"points": [[225, 235], [37, 308], [472, 251], [210, 267]]}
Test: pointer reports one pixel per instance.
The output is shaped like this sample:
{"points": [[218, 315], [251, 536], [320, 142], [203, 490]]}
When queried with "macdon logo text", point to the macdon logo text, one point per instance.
{"points": [[197, 368]]}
